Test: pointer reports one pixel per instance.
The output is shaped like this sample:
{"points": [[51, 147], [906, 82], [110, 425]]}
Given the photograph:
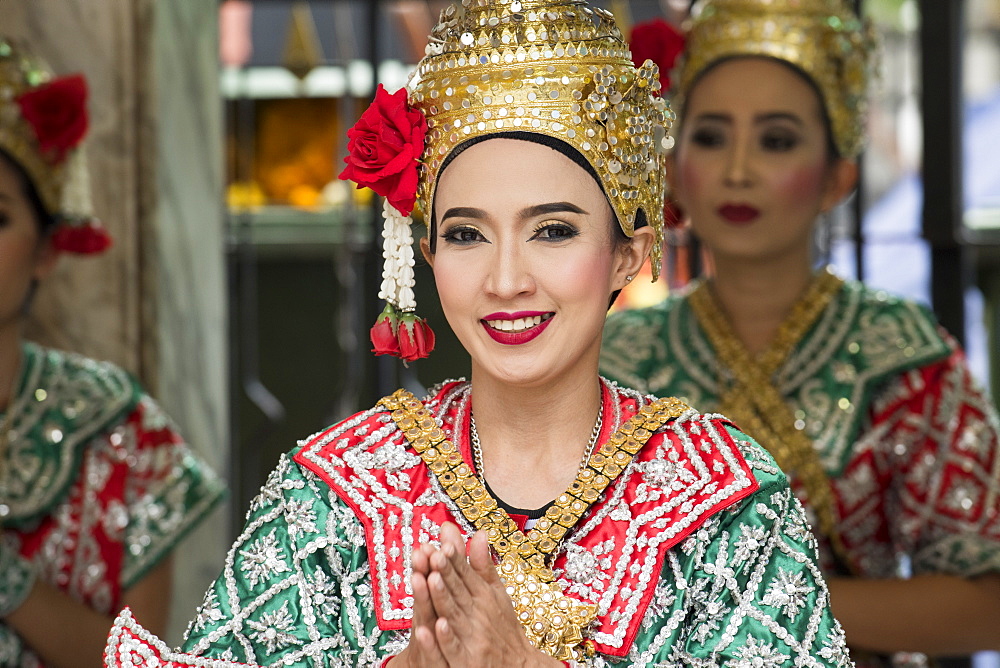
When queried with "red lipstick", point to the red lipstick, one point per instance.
{"points": [[738, 213], [503, 315], [516, 338]]}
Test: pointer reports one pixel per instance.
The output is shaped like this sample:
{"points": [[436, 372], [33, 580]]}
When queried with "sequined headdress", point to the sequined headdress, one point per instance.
{"points": [[558, 68], [823, 38], [43, 120]]}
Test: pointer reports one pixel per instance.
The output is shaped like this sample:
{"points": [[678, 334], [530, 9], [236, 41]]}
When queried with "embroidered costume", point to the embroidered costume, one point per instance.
{"points": [[904, 440], [97, 486], [861, 397], [696, 554]]}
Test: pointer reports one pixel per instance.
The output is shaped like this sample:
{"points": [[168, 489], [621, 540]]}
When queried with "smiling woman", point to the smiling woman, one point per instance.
{"points": [[537, 513], [526, 234]]}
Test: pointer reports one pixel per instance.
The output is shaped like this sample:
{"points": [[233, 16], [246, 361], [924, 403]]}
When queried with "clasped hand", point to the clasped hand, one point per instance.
{"points": [[462, 615]]}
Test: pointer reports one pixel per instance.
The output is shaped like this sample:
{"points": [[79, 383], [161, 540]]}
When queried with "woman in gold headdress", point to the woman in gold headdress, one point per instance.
{"points": [[860, 396], [96, 486], [602, 526]]}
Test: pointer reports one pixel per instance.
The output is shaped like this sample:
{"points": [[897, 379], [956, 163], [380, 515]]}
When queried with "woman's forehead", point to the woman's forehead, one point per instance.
{"points": [[751, 85], [511, 170]]}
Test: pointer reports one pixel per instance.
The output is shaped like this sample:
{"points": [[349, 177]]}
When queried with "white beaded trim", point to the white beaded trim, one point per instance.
{"points": [[131, 646]]}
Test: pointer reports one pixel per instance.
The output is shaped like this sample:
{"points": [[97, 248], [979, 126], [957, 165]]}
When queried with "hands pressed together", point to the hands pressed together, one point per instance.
{"points": [[462, 615]]}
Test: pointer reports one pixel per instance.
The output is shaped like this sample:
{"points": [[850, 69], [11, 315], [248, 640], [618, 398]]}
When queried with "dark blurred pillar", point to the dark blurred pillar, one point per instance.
{"points": [[941, 104]]}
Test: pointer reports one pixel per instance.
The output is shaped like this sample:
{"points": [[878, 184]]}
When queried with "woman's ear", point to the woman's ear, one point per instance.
{"points": [[425, 249], [840, 182], [632, 255]]}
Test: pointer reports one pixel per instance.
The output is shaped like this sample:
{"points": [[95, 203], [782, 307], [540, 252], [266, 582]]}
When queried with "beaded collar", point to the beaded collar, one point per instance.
{"points": [[553, 622]]}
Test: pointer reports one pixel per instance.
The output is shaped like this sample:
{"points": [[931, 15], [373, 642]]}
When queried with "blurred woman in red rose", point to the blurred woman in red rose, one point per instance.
{"points": [[534, 515], [96, 487], [659, 41], [862, 397]]}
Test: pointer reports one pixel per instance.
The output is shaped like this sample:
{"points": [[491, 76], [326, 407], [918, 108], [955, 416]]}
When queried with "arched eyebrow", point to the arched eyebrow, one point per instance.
{"points": [[463, 212], [525, 213], [766, 117], [551, 207], [716, 117], [778, 116]]}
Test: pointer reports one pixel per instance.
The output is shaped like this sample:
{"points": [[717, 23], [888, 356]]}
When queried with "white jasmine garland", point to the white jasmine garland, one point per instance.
{"points": [[76, 201], [397, 251]]}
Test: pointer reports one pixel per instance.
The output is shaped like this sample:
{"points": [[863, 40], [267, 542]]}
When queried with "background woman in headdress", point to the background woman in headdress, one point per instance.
{"points": [[96, 487], [603, 526], [860, 396]]}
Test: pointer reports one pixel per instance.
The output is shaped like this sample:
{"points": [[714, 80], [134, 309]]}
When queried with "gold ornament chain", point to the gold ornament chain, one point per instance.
{"points": [[756, 404], [552, 621]]}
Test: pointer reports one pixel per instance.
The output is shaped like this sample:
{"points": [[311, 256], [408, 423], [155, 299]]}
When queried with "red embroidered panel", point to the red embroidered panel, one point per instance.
{"points": [[684, 475]]}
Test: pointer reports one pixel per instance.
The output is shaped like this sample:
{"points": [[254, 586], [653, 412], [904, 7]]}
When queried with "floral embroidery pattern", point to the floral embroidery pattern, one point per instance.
{"points": [[706, 602]]}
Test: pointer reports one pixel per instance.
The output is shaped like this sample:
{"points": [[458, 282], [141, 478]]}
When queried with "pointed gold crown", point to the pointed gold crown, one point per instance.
{"points": [[20, 71], [823, 38], [46, 145], [558, 68]]}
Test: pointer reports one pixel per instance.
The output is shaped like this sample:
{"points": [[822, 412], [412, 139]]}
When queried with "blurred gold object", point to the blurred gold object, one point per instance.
{"points": [[824, 39], [303, 52], [559, 68], [245, 196], [623, 15]]}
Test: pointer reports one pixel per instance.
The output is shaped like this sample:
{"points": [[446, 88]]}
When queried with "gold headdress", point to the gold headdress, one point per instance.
{"points": [[558, 68], [43, 121], [823, 38]]}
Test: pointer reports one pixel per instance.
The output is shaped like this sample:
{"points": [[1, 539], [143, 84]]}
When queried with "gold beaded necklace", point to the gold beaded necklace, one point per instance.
{"points": [[756, 404], [552, 621]]}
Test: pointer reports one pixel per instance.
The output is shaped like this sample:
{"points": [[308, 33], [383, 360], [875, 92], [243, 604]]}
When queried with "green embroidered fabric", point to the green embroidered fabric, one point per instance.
{"points": [[860, 341], [296, 590]]}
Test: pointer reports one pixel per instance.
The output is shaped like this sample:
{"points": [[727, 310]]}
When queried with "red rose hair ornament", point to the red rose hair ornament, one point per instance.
{"points": [[57, 112], [384, 333], [86, 238], [383, 153], [384, 147], [658, 41], [43, 122], [416, 340]]}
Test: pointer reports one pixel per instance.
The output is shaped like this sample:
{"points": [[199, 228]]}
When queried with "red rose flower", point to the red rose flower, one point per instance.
{"points": [[384, 148], [416, 339], [88, 238], [57, 112], [383, 333], [660, 42]]}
